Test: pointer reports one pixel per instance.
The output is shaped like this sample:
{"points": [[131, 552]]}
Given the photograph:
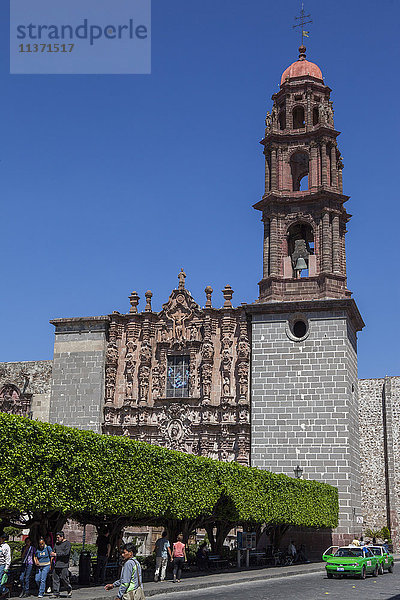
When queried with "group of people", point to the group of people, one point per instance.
{"points": [[297, 555], [177, 555], [361, 543], [45, 559]]}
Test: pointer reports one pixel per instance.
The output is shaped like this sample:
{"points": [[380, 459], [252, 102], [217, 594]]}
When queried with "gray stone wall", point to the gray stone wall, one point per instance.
{"points": [[372, 453], [304, 404], [77, 394], [31, 377]]}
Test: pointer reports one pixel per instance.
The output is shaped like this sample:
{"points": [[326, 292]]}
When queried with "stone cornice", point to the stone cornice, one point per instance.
{"points": [[330, 304], [322, 193]]}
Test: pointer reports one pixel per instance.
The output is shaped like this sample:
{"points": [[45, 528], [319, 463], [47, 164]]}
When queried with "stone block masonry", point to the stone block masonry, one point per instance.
{"points": [[304, 399], [77, 394]]}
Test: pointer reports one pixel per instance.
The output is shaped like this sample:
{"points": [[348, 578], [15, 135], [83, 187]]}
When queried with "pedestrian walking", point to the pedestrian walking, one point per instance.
{"points": [[178, 557], [130, 584], [27, 556], [162, 549], [5, 555], [61, 554], [43, 561]]}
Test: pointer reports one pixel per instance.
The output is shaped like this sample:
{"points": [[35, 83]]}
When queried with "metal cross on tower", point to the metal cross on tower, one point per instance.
{"points": [[302, 22]]}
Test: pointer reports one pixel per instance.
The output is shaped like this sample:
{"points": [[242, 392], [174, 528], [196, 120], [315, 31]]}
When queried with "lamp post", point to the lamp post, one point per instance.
{"points": [[298, 472]]}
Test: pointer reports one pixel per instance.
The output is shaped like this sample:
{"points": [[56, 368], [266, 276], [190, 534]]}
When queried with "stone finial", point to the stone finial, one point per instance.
{"points": [[228, 293], [148, 296], [208, 292], [181, 277], [134, 300]]}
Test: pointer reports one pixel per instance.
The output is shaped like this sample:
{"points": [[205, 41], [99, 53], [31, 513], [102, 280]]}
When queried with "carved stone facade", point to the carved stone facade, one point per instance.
{"points": [[180, 378], [25, 388]]}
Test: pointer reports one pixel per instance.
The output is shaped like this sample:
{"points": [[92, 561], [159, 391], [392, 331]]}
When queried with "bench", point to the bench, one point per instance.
{"points": [[216, 561]]}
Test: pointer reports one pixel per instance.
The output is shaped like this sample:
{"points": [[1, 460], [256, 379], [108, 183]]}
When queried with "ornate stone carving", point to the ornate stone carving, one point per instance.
{"points": [[144, 380], [181, 278], [134, 301], [227, 293], [145, 352], [206, 377], [208, 291], [243, 375], [148, 296], [129, 369], [156, 382]]}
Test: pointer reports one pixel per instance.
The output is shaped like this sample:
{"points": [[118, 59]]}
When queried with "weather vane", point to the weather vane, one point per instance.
{"points": [[302, 22]]}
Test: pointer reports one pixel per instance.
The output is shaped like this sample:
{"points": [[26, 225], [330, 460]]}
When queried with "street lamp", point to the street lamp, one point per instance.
{"points": [[298, 472]]}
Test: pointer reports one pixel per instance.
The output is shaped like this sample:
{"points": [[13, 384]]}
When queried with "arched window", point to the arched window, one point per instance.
{"points": [[282, 119], [315, 116], [298, 117], [300, 246], [299, 166]]}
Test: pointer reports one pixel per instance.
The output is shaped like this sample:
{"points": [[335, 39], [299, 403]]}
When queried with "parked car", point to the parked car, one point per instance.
{"points": [[349, 560], [385, 559]]}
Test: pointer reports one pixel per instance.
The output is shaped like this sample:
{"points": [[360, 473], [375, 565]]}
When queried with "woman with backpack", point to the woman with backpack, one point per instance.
{"points": [[43, 562]]}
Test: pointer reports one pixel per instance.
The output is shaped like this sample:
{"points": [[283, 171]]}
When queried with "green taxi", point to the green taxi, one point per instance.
{"points": [[350, 560], [385, 559]]}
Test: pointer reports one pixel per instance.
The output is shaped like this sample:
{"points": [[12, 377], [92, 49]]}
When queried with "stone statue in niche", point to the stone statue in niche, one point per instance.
{"points": [[322, 113], [206, 375], [144, 376], [156, 382], [243, 376], [129, 368], [112, 353], [243, 348], [164, 333], [226, 386], [208, 350], [268, 121], [145, 352]]}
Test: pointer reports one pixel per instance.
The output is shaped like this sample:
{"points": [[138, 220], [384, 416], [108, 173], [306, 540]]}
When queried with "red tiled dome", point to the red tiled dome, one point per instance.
{"points": [[301, 67]]}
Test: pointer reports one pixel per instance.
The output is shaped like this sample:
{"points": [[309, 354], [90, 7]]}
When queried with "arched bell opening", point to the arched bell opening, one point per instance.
{"points": [[299, 166], [300, 243], [298, 117], [282, 120]]}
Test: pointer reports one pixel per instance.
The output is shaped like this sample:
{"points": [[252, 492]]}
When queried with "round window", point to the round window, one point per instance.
{"points": [[297, 328]]}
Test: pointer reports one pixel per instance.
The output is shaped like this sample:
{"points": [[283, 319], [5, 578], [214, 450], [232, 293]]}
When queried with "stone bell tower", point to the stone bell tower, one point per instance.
{"points": [[305, 323]]}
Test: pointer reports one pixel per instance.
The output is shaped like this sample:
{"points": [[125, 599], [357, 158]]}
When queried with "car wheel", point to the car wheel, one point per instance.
{"points": [[381, 569], [390, 569], [329, 575], [376, 571], [363, 573]]}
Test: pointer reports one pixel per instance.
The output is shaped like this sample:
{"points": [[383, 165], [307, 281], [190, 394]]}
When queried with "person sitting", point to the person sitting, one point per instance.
{"points": [[301, 555]]}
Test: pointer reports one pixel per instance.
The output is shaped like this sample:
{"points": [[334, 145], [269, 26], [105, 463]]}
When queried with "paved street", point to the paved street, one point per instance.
{"points": [[301, 587]]}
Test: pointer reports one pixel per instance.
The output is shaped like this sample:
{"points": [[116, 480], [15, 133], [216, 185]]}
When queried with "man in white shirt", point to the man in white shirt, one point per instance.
{"points": [[292, 550], [5, 555]]}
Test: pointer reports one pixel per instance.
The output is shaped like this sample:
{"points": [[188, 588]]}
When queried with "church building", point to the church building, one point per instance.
{"points": [[271, 384]]}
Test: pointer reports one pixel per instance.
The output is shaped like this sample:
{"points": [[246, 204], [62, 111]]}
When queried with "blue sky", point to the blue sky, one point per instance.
{"points": [[113, 183]]}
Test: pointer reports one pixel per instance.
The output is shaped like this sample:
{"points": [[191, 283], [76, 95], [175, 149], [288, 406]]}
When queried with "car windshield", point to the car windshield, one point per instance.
{"points": [[376, 551], [348, 552]]}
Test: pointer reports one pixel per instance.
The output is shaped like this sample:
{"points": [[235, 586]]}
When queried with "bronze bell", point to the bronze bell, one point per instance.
{"points": [[301, 264]]}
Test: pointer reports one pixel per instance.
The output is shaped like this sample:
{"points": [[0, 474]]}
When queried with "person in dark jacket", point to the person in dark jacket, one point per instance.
{"points": [[61, 554]]}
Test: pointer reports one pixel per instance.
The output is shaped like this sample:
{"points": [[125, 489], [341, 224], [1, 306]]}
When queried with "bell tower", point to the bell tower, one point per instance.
{"points": [[303, 204], [304, 397]]}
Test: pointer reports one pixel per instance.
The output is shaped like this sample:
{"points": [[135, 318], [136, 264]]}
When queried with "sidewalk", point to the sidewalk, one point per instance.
{"points": [[194, 582]]}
